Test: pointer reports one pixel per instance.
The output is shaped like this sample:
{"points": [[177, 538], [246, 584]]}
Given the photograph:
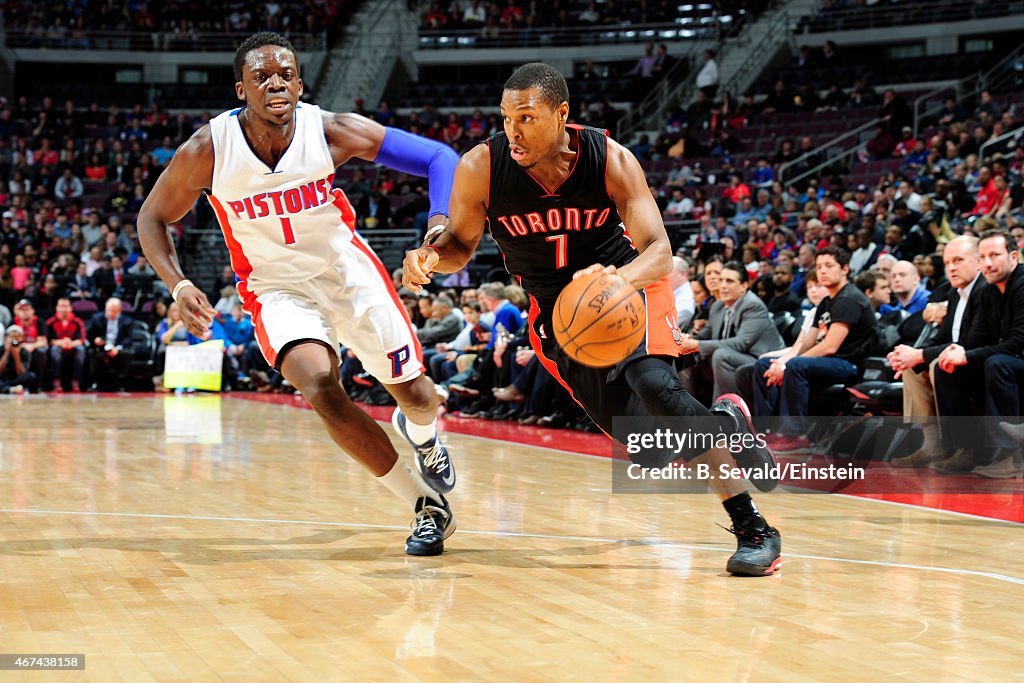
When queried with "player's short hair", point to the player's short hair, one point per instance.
{"points": [[548, 80], [841, 256], [256, 41]]}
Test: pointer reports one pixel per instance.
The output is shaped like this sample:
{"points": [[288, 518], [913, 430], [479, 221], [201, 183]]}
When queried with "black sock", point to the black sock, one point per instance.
{"points": [[743, 512]]}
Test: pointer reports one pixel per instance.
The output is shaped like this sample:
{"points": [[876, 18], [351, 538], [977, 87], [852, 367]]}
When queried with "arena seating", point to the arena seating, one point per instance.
{"points": [[845, 15], [534, 24]]}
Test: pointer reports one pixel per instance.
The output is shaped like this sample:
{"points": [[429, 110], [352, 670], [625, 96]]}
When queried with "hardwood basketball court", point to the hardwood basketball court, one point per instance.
{"points": [[204, 538]]}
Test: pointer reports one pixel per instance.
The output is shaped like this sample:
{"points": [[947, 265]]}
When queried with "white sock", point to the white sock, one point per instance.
{"points": [[407, 484], [420, 434]]}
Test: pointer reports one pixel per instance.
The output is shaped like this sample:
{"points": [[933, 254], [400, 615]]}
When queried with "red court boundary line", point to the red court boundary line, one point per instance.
{"points": [[1007, 505]]}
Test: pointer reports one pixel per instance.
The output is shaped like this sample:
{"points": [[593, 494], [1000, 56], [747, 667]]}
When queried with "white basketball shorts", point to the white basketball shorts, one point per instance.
{"points": [[354, 304]]}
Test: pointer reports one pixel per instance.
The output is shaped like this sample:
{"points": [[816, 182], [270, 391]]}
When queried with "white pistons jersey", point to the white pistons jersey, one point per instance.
{"points": [[282, 224]]}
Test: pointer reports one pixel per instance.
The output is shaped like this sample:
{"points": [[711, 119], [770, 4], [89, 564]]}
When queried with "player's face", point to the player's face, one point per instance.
{"points": [[534, 128], [270, 84]]}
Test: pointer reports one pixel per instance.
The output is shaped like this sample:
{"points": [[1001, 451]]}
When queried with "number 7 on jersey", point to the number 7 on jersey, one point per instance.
{"points": [[561, 249]]}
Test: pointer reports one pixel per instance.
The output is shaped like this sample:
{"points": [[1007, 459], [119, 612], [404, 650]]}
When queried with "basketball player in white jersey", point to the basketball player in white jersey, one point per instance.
{"points": [[306, 278]]}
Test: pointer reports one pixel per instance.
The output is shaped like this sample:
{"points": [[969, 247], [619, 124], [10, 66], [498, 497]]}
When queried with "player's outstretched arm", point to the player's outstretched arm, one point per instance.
{"points": [[352, 135], [627, 186], [450, 251], [175, 193]]}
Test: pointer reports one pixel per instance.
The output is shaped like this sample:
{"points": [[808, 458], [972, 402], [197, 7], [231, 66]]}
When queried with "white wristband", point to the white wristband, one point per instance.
{"points": [[180, 286]]}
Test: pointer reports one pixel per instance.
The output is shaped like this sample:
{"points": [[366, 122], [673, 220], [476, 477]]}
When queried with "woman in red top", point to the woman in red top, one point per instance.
{"points": [[994, 199], [453, 131], [736, 190], [476, 126], [435, 131], [96, 170], [46, 155]]}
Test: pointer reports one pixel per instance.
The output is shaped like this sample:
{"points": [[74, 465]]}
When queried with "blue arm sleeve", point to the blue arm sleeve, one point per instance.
{"points": [[412, 154]]}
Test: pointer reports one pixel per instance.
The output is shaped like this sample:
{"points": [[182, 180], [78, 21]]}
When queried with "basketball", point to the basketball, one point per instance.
{"points": [[599, 320]]}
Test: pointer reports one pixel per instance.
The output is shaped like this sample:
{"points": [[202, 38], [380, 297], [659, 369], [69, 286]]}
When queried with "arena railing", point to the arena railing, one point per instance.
{"points": [[1013, 134], [823, 150], [655, 104], [930, 103], [964, 90], [676, 86], [755, 60], [157, 41]]}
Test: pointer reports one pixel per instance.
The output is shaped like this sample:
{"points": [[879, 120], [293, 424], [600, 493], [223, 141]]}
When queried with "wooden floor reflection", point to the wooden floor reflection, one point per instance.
{"points": [[200, 538]]}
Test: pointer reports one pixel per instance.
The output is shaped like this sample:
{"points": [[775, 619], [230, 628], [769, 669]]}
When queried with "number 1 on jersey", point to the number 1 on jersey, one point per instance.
{"points": [[561, 249], [286, 227]]}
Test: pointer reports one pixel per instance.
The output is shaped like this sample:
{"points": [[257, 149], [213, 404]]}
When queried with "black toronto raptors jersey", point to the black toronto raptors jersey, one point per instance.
{"points": [[546, 237]]}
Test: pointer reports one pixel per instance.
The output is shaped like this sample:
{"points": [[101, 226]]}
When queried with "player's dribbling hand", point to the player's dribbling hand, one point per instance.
{"points": [[196, 311], [596, 268], [418, 267]]}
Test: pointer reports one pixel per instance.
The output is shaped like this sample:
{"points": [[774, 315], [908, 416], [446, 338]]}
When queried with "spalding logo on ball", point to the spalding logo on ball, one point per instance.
{"points": [[599, 320]]}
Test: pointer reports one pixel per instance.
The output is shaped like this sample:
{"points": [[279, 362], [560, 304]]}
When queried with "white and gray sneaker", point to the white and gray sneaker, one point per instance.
{"points": [[434, 522], [432, 461]]}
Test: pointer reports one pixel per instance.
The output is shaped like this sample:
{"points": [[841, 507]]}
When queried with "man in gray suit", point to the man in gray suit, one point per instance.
{"points": [[739, 329]]}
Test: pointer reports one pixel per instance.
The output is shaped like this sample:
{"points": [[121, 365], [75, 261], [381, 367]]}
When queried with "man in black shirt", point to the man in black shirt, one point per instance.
{"points": [[918, 366], [784, 300], [991, 356], [846, 330]]}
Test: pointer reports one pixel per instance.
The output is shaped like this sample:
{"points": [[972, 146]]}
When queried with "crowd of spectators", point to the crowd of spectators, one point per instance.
{"points": [[839, 15], [872, 252], [72, 273], [869, 255], [797, 259], [65, 24], [513, 15]]}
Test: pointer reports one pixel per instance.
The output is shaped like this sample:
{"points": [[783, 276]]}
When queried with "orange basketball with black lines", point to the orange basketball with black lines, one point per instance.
{"points": [[599, 320]]}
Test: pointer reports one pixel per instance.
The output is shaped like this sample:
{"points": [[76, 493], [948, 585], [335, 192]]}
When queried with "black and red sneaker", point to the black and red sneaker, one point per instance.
{"points": [[758, 552], [759, 459]]}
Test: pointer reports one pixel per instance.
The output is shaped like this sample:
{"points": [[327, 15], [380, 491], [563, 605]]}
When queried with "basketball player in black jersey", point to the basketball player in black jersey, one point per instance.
{"points": [[563, 200]]}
